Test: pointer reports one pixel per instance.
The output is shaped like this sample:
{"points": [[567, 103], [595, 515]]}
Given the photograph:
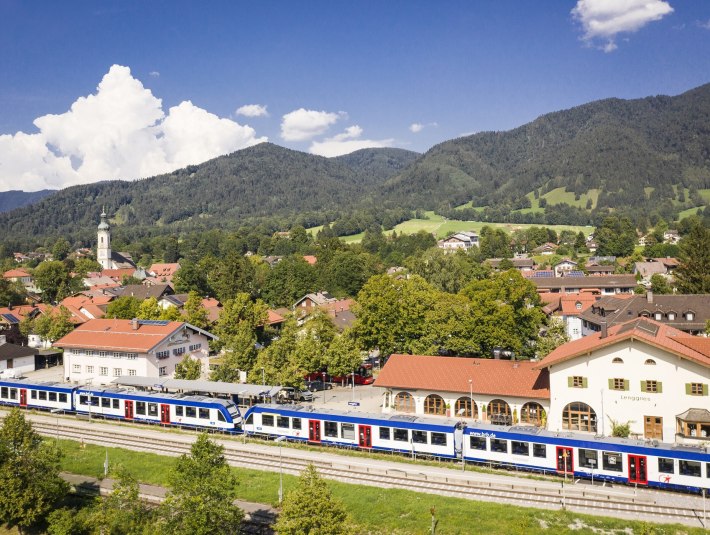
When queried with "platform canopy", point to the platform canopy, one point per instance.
{"points": [[165, 384]]}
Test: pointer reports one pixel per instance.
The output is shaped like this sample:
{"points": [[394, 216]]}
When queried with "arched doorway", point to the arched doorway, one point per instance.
{"points": [[463, 408], [434, 404], [578, 416], [404, 402], [531, 413]]}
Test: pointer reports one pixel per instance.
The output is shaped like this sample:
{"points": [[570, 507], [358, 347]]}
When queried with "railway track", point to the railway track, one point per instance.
{"points": [[536, 494]]}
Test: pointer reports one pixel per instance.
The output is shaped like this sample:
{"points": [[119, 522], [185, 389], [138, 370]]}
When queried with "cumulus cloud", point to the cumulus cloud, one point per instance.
{"points": [[347, 142], [302, 124], [253, 110], [605, 19], [415, 128], [120, 132]]}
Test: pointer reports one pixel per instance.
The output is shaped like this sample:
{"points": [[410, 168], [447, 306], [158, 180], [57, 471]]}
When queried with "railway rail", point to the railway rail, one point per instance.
{"points": [[540, 494]]}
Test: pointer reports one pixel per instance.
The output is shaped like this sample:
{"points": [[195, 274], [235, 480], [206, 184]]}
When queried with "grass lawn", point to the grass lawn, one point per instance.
{"points": [[376, 510]]}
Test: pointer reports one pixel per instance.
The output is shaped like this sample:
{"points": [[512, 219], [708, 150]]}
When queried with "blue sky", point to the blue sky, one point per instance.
{"points": [[331, 76]]}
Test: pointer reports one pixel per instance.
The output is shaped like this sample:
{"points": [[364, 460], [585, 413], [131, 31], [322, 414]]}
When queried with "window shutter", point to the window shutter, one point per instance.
{"points": [[659, 387], [687, 388], [626, 384], [584, 384], [643, 386], [705, 390], [611, 384], [570, 382]]}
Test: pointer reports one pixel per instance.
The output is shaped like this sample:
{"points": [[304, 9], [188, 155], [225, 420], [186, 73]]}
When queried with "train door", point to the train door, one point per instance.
{"points": [[365, 436], [23, 397], [314, 430], [165, 414], [565, 460], [128, 409], [637, 469]]}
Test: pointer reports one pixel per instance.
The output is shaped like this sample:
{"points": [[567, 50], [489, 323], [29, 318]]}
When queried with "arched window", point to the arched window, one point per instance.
{"points": [[578, 416], [498, 412], [463, 408], [617, 360], [434, 404], [404, 402], [531, 413], [650, 362]]}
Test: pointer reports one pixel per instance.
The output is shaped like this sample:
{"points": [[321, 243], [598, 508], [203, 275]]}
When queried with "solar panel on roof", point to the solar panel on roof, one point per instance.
{"points": [[153, 322], [11, 318], [575, 274], [544, 274]]}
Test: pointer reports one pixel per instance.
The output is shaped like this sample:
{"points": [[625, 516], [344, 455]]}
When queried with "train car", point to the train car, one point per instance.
{"points": [[167, 409], [404, 434], [36, 395]]}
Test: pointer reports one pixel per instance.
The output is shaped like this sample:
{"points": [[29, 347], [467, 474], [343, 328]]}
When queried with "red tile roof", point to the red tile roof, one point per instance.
{"points": [[114, 334], [569, 303], [274, 318], [451, 374], [20, 311], [642, 329], [310, 259], [15, 273], [164, 270]]}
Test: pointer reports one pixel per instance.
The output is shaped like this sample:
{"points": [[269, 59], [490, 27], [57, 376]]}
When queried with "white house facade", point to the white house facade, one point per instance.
{"points": [[103, 349]]}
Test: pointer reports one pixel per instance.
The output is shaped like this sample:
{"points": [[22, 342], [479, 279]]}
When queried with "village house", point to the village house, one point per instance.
{"points": [[16, 360], [459, 241], [604, 284]]}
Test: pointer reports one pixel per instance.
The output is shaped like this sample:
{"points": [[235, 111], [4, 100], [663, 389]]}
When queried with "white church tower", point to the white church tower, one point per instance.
{"points": [[103, 244]]}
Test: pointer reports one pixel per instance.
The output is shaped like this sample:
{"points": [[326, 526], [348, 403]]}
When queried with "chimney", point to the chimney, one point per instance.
{"points": [[649, 296], [604, 332], [134, 324]]}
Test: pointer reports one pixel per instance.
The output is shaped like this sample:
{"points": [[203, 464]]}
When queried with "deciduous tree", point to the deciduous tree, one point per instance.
{"points": [[124, 308], [188, 368], [693, 274]]}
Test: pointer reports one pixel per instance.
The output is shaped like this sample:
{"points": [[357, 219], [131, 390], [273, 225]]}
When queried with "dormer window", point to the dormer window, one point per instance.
{"points": [[690, 316], [617, 360], [578, 305], [650, 362], [671, 316], [658, 316]]}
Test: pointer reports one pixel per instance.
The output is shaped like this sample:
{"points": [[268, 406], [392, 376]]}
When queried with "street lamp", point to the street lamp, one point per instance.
{"points": [[353, 384], [470, 392], [324, 387], [56, 413], [281, 471]]}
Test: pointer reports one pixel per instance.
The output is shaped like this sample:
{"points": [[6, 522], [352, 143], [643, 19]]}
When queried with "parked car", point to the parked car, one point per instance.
{"points": [[317, 386], [289, 394]]}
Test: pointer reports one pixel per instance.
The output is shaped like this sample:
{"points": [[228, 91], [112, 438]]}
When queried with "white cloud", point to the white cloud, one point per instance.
{"points": [[120, 132], [605, 19], [253, 110], [347, 142], [154, 74], [302, 124], [416, 127], [705, 25]]}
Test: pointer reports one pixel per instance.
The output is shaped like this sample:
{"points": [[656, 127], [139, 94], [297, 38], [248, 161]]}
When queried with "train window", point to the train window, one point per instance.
{"points": [[62, 398], [267, 419], [347, 431], [220, 417], [588, 458], [282, 421], [708, 469], [250, 420], [191, 412], [419, 437], [42, 395], [13, 393], [438, 439], [3, 392], [178, 410], [330, 429], [478, 443], [52, 396], [520, 448], [140, 407], [401, 435], [296, 423], [539, 450], [152, 409], [114, 403], [83, 400], [33, 394], [612, 461], [689, 468], [106, 402], [666, 466], [204, 414], [499, 445], [384, 433], [94, 401]]}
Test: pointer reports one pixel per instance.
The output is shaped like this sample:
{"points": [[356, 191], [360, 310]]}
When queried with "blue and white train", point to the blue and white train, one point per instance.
{"points": [[629, 461]]}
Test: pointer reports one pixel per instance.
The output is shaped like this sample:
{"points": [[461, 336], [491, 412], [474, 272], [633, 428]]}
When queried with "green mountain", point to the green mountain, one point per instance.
{"points": [[377, 165], [617, 146], [9, 200]]}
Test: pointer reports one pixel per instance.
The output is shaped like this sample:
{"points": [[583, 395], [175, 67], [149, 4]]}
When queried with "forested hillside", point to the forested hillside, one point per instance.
{"points": [[9, 200], [617, 146]]}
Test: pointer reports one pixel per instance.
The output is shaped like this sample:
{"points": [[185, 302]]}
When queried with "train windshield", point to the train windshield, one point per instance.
{"points": [[233, 410]]}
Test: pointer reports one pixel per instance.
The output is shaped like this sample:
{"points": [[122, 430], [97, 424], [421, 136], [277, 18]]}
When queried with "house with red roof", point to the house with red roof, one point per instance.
{"points": [[102, 349], [490, 390], [642, 372]]}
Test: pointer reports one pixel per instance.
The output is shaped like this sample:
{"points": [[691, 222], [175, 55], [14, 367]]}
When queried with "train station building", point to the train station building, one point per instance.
{"points": [[642, 373]]}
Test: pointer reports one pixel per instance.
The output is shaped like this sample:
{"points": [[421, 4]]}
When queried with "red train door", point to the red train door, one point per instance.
{"points": [[128, 409], [23, 397], [165, 414], [314, 430], [637, 469], [565, 460], [365, 436]]}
